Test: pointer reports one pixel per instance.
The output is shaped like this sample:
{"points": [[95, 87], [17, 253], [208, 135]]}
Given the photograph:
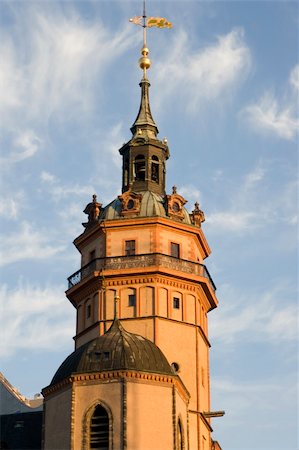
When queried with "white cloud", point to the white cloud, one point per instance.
{"points": [[207, 73], [48, 177], [60, 191], [10, 76], [266, 115], [107, 162], [11, 204], [190, 192], [29, 142], [278, 117], [27, 243], [294, 77], [53, 75], [254, 177], [112, 142], [25, 145], [232, 220], [250, 205], [267, 320], [73, 213], [52, 67], [242, 214], [34, 318]]}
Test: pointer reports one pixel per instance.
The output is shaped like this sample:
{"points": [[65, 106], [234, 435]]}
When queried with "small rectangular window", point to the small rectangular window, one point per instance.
{"points": [[132, 300], [92, 255], [176, 302], [88, 311], [175, 249], [106, 356], [130, 248]]}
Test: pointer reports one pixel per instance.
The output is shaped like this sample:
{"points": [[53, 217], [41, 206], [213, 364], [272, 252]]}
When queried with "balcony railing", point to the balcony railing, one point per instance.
{"points": [[140, 261]]}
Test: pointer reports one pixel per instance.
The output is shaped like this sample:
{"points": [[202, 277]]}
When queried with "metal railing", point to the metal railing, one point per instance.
{"points": [[140, 261]]}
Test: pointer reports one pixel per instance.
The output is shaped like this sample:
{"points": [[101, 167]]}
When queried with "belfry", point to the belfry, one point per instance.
{"points": [[139, 377]]}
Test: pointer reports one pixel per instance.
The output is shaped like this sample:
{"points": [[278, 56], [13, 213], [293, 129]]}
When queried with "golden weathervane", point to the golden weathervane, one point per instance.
{"points": [[148, 22]]}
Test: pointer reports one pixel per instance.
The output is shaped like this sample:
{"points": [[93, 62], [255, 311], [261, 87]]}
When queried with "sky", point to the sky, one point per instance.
{"points": [[224, 91]]}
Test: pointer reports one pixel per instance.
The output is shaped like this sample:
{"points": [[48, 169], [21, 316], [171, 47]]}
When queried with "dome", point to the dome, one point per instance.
{"points": [[151, 205], [117, 349]]}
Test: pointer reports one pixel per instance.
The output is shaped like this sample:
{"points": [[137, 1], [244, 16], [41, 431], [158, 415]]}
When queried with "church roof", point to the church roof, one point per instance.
{"points": [[117, 349], [12, 401]]}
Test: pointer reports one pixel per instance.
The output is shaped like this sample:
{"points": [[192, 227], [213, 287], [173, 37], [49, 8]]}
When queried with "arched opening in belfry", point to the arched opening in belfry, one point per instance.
{"points": [[99, 429], [126, 172], [155, 169], [139, 166]]}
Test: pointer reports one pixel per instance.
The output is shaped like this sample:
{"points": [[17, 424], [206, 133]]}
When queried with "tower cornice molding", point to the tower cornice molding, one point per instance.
{"points": [[90, 286], [116, 376], [145, 275], [141, 141]]}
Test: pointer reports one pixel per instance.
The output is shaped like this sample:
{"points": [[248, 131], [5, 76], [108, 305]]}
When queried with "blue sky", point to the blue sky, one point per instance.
{"points": [[224, 92]]}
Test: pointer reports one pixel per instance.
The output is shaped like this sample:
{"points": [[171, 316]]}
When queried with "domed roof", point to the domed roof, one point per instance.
{"points": [[117, 349], [151, 205]]}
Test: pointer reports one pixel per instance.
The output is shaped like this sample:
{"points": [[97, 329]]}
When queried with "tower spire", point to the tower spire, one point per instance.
{"points": [[144, 155], [144, 123]]}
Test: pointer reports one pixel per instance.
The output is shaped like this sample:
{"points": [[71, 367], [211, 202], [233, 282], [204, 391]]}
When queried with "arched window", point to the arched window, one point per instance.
{"points": [[99, 429], [139, 165], [180, 436], [155, 169]]}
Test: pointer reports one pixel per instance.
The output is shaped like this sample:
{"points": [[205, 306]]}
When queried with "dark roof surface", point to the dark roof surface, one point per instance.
{"points": [[151, 205], [117, 349]]}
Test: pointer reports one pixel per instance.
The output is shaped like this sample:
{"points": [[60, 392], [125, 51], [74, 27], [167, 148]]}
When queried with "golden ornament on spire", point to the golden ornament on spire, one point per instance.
{"points": [[148, 22], [159, 22], [144, 61]]}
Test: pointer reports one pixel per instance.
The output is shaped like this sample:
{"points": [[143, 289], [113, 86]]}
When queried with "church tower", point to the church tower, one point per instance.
{"points": [[138, 378]]}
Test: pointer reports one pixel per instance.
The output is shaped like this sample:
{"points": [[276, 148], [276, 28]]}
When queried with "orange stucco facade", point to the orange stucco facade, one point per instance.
{"points": [[181, 332]]}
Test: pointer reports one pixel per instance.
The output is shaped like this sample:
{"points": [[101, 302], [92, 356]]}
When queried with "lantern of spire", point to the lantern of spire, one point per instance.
{"points": [[144, 155]]}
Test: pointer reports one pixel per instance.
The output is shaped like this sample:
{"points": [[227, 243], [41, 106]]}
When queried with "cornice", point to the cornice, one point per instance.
{"points": [[151, 279], [115, 376], [113, 278], [88, 286], [89, 234]]}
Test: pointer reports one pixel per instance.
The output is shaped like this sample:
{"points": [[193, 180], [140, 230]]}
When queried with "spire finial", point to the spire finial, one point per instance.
{"points": [[148, 22]]}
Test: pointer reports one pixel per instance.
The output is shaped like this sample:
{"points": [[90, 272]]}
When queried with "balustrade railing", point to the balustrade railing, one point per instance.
{"points": [[139, 261]]}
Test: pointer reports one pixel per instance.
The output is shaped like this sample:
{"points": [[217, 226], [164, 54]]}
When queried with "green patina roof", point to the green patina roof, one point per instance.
{"points": [[151, 205]]}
